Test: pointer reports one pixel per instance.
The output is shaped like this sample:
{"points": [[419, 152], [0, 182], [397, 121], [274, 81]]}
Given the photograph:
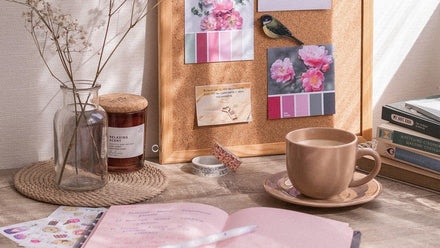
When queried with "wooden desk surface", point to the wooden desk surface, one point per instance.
{"points": [[402, 216]]}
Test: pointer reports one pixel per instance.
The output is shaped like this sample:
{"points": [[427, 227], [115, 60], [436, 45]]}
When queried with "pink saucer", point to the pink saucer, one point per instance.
{"points": [[280, 187]]}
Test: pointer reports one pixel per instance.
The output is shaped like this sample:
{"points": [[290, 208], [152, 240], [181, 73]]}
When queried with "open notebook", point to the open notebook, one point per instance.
{"points": [[155, 225]]}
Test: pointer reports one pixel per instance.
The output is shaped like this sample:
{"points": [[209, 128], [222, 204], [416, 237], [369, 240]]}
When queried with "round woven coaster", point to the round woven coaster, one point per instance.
{"points": [[36, 181]]}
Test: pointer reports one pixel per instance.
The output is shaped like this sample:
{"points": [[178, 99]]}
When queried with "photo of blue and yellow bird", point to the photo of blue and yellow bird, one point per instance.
{"points": [[275, 29]]}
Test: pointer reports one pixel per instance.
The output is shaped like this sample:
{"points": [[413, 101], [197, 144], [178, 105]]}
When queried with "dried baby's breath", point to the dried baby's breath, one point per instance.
{"points": [[56, 31]]}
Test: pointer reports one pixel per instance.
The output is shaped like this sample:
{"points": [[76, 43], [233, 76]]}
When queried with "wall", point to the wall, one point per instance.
{"points": [[406, 57], [406, 65]]}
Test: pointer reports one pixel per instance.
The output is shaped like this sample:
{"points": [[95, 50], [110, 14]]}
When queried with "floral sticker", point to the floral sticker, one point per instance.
{"points": [[301, 81], [218, 30], [62, 228]]}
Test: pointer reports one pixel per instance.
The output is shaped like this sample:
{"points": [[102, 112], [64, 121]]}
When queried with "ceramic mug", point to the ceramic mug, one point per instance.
{"points": [[321, 161]]}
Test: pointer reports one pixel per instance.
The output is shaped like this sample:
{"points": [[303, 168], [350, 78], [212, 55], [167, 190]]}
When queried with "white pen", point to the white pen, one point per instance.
{"points": [[214, 237]]}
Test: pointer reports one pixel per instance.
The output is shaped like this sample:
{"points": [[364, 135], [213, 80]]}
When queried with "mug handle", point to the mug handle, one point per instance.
{"points": [[360, 152]]}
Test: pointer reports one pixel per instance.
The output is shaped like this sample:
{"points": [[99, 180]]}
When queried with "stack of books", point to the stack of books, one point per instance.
{"points": [[409, 142]]}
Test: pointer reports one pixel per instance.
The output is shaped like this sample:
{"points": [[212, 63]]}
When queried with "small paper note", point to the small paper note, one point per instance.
{"points": [[223, 104]]}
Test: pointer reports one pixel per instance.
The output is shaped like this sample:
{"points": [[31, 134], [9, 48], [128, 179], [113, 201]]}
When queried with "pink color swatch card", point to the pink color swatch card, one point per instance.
{"points": [[219, 30], [281, 5], [301, 81]]}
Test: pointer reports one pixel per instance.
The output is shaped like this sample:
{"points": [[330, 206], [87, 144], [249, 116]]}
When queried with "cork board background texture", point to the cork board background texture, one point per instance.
{"points": [[180, 137]]}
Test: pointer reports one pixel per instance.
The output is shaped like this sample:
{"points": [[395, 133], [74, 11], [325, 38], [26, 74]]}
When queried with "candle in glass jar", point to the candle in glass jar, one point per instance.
{"points": [[127, 115]]}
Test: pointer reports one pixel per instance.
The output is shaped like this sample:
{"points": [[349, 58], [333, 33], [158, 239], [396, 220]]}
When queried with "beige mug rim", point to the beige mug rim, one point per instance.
{"points": [[354, 140]]}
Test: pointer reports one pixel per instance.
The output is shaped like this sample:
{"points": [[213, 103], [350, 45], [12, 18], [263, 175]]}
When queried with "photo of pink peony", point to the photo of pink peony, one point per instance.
{"points": [[211, 23], [218, 15], [301, 69], [282, 70], [316, 56], [300, 81], [222, 7], [312, 80], [232, 21], [325, 67]]}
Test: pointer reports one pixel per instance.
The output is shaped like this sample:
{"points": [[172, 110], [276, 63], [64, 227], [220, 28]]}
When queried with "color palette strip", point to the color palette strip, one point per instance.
{"points": [[300, 105], [219, 46]]}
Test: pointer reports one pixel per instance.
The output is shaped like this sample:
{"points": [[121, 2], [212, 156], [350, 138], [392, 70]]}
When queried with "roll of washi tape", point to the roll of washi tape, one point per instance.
{"points": [[208, 166], [226, 157]]}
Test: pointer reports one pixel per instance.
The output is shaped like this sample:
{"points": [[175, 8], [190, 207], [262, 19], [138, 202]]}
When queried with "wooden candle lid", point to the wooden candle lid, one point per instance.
{"points": [[122, 103]]}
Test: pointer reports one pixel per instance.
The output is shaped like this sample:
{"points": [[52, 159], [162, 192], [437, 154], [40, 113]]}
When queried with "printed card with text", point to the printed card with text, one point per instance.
{"points": [[223, 104], [219, 30], [281, 5], [301, 81]]}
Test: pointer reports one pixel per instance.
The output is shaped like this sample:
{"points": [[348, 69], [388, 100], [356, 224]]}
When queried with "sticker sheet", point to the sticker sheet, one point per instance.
{"points": [[219, 30], [301, 81], [223, 104], [63, 228], [281, 5]]}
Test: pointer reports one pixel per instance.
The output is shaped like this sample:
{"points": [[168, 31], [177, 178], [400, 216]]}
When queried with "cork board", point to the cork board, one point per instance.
{"points": [[348, 26]]}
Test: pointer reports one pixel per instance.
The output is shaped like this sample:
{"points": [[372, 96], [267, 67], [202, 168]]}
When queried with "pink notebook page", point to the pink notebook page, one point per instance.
{"points": [[279, 228], [153, 225]]}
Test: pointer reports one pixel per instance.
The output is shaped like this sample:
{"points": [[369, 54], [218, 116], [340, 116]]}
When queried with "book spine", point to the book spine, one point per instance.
{"points": [[411, 122], [409, 140], [401, 154], [403, 173]]}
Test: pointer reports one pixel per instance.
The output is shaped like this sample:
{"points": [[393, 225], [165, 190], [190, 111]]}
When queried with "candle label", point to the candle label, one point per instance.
{"points": [[125, 142]]}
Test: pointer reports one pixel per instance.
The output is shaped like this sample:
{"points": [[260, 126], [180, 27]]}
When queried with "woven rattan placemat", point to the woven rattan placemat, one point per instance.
{"points": [[36, 181]]}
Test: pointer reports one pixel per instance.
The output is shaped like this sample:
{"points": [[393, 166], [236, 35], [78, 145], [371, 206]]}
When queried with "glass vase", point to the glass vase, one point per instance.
{"points": [[80, 139]]}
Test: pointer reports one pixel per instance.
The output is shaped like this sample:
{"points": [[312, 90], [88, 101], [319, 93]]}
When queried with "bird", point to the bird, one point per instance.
{"points": [[275, 29]]}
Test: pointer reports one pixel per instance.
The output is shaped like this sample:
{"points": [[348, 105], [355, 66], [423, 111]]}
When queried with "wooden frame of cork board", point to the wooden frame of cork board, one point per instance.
{"points": [[347, 25]]}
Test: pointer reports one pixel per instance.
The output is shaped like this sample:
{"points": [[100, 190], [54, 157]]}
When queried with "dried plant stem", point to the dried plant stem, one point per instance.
{"points": [[75, 131]]}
